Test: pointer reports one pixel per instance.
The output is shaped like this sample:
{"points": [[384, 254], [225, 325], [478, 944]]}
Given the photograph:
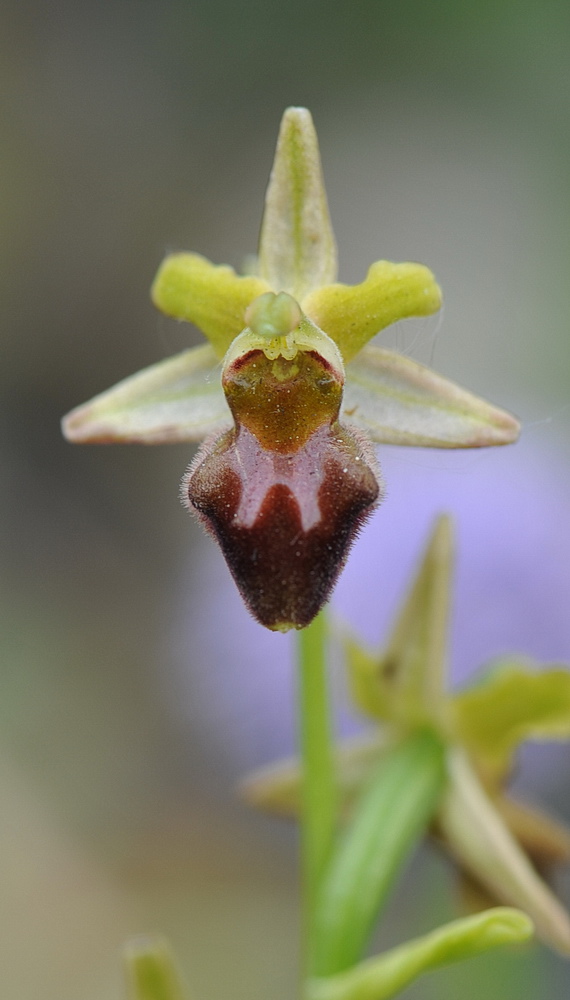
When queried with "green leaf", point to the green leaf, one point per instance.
{"points": [[479, 839], [353, 314], [399, 401], [388, 820], [385, 976], [514, 703], [151, 970], [179, 399], [214, 298], [405, 683], [297, 250]]}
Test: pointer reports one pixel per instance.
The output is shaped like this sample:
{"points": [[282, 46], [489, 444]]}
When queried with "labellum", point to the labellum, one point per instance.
{"points": [[286, 490]]}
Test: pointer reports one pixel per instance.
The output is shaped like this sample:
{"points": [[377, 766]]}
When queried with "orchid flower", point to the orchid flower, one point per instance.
{"points": [[289, 393], [489, 834]]}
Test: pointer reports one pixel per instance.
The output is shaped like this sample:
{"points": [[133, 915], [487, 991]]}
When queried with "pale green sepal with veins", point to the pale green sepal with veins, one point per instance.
{"points": [[396, 400], [297, 249], [151, 970], [178, 399], [385, 976]]}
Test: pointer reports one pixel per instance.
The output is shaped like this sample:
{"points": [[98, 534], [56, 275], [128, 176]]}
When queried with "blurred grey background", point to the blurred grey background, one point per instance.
{"points": [[129, 129]]}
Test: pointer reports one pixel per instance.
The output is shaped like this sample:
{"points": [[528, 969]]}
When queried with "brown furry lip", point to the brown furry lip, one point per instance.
{"points": [[285, 532]]}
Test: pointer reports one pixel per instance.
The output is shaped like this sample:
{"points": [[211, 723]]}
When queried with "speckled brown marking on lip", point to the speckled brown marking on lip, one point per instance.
{"points": [[282, 402], [243, 360], [284, 572]]}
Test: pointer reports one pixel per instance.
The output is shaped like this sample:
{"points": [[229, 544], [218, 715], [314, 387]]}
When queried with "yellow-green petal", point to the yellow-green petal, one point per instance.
{"points": [[297, 250], [398, 401], [386, 975], [513, 704], [479, 839], [151, 970], [405, 683], [213, 297], [179, 399], [353, 314]]}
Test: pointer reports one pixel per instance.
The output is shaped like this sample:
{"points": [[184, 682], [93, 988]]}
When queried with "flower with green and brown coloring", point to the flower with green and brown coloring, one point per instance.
{"points": [[492, 836], [289, 393]]}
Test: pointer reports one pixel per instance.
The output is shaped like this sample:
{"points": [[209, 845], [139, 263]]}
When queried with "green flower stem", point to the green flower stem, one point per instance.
{"points": [[390, 817], [319, 793], [383, 977]]}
